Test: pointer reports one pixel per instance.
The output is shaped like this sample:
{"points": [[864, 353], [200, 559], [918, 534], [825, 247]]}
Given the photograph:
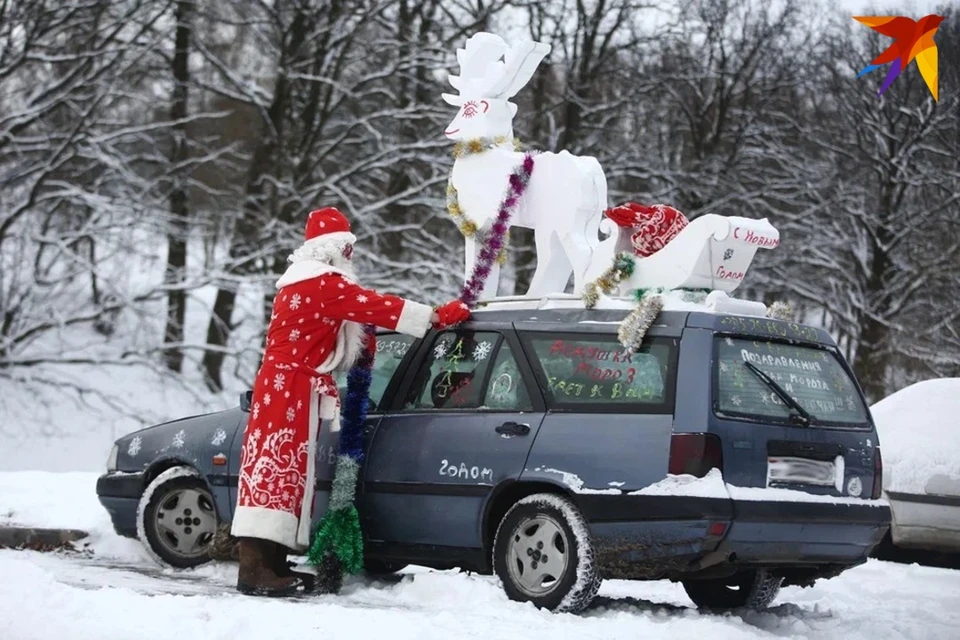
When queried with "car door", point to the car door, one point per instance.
{"points": [[463, 423], [392, 349]]}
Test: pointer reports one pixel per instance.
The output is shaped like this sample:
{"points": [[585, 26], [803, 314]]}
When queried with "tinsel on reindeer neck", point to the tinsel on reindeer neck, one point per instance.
{"points": [[468, 228]]}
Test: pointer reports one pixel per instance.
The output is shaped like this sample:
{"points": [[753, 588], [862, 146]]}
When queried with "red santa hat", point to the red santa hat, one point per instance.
{"points": [[327, 234]]}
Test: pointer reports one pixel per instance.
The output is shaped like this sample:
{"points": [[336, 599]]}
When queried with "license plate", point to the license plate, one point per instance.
{"points": [[801, 471]]}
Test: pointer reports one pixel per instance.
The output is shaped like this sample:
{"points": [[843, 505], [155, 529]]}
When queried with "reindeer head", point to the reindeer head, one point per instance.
{"points": [[491, 72]]}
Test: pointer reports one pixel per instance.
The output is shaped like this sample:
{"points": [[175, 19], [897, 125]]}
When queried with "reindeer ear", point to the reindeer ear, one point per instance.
{"points": [[521, 61]]}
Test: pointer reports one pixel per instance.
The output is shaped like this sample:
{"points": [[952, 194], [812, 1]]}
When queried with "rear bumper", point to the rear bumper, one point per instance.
{"points": [[119, 493], [657, 536], [803, 533]]}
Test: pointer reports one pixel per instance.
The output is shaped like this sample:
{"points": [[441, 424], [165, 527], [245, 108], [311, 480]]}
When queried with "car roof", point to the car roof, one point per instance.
{"points": [[567, 313]]}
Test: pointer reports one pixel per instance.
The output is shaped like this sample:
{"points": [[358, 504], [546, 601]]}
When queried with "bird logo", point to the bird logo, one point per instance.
{"points": [[913, 39]]}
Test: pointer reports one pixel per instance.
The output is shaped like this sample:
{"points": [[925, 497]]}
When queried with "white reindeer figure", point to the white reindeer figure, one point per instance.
{"points": [[567, 194]]}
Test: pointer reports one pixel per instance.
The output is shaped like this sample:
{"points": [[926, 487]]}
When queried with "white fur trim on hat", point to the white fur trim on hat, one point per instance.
{"points": [[323, 248]]}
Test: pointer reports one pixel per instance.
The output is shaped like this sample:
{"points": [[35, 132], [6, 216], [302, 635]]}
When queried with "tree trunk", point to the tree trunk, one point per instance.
{"points": [[179, 203]]}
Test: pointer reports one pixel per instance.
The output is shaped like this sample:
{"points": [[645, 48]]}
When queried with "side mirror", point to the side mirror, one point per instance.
{"points": [[245, 398]]}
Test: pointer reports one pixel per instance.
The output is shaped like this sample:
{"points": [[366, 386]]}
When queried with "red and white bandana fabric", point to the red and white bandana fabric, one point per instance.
{"points": [[654, 225]]}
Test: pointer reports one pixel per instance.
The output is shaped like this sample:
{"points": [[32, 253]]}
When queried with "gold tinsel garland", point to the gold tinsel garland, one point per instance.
{"points": [[621, 269], [468, 227], [780, 311], [635, 326]]}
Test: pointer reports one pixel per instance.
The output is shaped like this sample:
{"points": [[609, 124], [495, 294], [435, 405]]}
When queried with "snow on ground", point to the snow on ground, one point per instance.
{"points": [[917, 427], [119, 593]]}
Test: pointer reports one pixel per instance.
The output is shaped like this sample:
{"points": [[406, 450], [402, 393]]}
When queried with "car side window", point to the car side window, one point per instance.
{"points": [[506, 390], [455, 372], [391, 348], [590, 371]]}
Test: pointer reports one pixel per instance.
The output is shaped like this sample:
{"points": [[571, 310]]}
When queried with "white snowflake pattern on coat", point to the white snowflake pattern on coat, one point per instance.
{"points": [[295, 334], [278, 381], [295, 301]]}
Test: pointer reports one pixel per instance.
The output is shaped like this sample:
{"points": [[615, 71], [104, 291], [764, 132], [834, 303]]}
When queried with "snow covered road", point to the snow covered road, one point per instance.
{"points": [[118, 593]]}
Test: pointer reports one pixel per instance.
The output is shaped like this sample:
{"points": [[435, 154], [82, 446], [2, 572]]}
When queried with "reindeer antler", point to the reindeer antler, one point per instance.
{"points": [[479, 67]]}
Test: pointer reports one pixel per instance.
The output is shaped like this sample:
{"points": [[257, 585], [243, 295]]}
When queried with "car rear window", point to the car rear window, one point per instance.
{"points": [[813, 377], [596, 372]]}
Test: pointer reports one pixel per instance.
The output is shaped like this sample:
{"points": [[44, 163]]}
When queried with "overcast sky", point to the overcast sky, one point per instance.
{"points": [[910, 8]]}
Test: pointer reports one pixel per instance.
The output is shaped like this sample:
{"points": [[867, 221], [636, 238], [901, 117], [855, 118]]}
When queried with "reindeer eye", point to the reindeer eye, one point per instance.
{"points": [[470, 109]]}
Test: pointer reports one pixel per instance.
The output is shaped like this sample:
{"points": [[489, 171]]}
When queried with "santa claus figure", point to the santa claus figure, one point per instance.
{"points": [[316, 329], [650, 227]]}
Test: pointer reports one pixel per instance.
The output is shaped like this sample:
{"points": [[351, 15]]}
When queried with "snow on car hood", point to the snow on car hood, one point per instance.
{"points": [[919, 430]]}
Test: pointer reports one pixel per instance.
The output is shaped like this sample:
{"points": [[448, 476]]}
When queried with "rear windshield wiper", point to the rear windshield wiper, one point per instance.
{"points": [[798, 410]]}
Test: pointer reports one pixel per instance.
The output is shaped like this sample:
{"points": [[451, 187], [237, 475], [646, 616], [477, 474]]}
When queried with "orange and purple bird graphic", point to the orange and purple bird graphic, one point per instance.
{"points": [[913, 39]]}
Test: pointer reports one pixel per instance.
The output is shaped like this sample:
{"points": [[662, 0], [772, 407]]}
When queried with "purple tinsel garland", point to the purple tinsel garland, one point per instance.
{"points": [[518, 182]]}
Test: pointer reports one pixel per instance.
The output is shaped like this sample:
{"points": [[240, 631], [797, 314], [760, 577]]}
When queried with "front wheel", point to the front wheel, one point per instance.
{"points": [[751, 589], [176, 519], [543, 554]]}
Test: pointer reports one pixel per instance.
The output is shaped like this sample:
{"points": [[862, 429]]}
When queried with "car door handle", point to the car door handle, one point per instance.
{"points": [[514, 428]]}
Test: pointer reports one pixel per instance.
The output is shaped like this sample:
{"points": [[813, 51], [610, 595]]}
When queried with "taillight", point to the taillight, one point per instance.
{"points": [[695, 454], [877, 474]]}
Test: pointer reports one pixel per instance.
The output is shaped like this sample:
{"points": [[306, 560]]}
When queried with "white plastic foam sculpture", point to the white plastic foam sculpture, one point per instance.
{"points": [[712, 252], [567, 194]]}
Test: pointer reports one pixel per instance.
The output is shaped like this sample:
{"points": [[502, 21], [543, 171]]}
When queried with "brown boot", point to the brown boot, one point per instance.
{"points": [[256, 576], [284, 569]]}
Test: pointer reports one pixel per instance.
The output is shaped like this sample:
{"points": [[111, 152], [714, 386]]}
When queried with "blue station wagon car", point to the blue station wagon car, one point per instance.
{"points": [[733, 454]]}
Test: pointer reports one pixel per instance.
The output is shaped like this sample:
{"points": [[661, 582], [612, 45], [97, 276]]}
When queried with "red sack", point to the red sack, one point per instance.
{"points": [[654, 226]]}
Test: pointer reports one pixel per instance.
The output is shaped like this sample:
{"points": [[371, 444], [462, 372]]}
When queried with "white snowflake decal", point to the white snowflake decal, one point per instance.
{"points": [[278, 381], [256, 410], [482, 351], [723, 366], [178, 438], [362, 298], [295, 301], [135, 446], [728, 341], [440, 350], [765, 398], [295, 334], [219, 438], [266, 399], [736, 401], [290, 414]]}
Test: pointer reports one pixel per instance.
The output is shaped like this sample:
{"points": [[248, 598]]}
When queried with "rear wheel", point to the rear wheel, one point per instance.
{"points": [[176, 520], [543, 554], [751, 589]]}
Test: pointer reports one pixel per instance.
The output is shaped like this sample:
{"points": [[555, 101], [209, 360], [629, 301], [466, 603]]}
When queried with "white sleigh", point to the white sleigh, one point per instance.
{"points": [[712, 252]]}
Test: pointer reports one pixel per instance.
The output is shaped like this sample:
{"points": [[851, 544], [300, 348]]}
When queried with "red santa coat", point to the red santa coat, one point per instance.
{"points": [[315, 329]]}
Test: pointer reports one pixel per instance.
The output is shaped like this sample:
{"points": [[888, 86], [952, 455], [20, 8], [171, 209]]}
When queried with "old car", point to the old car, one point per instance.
{"points": [[731, 453], [919, 424]]}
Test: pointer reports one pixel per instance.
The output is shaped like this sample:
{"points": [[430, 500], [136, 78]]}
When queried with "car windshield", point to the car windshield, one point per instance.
{"points": [[813, 378]]}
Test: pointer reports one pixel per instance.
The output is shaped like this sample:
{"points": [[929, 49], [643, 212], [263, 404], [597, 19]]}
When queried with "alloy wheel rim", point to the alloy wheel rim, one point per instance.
{"points": [[538, 555], [186, 522]]}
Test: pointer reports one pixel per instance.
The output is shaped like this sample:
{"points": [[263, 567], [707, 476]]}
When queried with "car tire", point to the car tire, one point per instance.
{"points": [[375, 567], [177, 519], [543, 553], [747, 589]]}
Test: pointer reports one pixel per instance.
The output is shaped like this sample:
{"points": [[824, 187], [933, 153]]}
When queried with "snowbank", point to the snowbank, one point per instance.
{"points": [[919, 431], [64, 501]]}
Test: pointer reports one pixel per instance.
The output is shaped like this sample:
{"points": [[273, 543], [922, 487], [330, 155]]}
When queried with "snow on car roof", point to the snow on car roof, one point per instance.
{"points": [[919, 431]]}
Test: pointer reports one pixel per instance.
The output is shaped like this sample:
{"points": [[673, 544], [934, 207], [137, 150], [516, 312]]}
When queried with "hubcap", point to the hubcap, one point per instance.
{"points": [[538, 555], [186, 522]]}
